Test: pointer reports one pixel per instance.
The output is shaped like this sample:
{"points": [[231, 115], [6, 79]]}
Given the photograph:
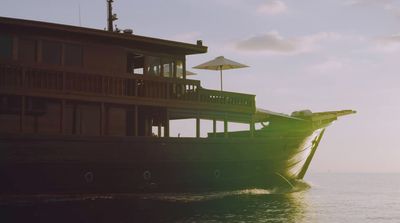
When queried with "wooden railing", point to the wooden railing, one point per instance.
{"points": [[226, 98], [38, 78]]}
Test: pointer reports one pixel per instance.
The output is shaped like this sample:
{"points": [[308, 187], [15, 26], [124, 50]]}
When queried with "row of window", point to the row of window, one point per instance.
{"points": [[155, 66], [80, 118], [68, 54], [51, 51]]}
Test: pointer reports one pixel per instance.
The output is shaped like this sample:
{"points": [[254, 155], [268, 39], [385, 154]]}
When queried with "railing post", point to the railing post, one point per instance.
{"points": [[23, 78], [103, 85], [64, 85], [62, 114], [167, 90]]}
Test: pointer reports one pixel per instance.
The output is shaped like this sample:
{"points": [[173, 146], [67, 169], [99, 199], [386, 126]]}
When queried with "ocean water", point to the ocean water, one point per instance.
{"points": [[330, 198]]}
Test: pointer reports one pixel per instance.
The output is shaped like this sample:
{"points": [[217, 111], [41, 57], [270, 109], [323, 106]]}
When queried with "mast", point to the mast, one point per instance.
{"points": [[110, 16]]}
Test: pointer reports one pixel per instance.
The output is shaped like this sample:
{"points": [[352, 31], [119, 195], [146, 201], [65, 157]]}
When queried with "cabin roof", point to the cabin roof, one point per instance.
{"points": [[111, 38]]}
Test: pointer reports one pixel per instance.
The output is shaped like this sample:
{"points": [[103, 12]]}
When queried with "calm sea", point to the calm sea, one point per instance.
{"points": [[331, 198]]}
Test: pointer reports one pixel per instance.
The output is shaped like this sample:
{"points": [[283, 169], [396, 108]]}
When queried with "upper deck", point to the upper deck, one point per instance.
{"points": [[59, 79], [60, 61]]}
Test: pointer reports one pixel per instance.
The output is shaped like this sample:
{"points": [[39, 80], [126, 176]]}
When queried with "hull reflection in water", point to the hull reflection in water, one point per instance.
{"points": [[251, 205]]}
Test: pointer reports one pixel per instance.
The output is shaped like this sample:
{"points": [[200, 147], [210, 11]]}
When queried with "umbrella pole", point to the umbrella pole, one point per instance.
{"points": [[220, 70]]}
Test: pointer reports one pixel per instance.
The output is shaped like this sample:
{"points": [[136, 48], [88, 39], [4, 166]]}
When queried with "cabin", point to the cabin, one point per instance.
{"points": [[66, 80]]}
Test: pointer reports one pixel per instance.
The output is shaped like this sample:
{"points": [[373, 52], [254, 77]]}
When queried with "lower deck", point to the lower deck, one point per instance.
{"points": [[48, 116]]}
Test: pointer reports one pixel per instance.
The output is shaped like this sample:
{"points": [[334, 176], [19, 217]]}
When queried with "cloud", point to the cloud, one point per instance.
{"points": [[272, 7], [367, 2], [393, 9], [327, 66], [387, 5], [395, 38], [387, 44], [273, 42]]}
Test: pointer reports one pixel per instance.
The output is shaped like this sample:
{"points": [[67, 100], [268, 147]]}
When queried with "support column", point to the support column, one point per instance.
{"points": [[197, 126], [225, 127], [166, 127], [184, 69], [252, 127], [159, 129], [214, 127], [147, 127], [136, 119]]}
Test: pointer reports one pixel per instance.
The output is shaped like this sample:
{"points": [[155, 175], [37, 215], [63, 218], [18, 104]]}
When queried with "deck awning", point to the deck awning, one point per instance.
{"points": [[123, 39]]}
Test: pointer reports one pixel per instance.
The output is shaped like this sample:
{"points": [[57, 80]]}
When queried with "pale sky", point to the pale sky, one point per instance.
{"points": [[310, 54]]}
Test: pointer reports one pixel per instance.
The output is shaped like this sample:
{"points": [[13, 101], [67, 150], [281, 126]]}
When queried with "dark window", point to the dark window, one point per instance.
{"points": [[10, 110], [135, 63], [27, 50], [51, 52], [6, 46], [82, 119], [73, 55], [42, 116], [116, 121]]}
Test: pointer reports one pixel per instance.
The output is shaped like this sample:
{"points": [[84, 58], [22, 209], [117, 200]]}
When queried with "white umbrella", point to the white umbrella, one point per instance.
{"points": [[220, 63], [188, 73]]}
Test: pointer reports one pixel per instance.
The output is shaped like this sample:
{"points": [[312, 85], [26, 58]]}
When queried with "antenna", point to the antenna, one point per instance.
{"points": [[110, 16]]}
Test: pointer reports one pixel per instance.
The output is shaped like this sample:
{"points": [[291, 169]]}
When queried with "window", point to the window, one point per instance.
{"points": [[73, 55], [47, 115], [116, 121], [168, 68], [179, 69], [6, 46], [51, 52], [135, 63], [82, 119], [27, 50], [10, 110], [153, 66]]}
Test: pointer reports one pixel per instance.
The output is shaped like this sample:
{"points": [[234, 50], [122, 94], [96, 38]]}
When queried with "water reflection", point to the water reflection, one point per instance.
{"points": [[235, 206]]}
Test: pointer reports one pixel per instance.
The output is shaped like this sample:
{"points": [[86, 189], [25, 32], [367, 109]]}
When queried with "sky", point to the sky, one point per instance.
{"points": [[309, 54]]}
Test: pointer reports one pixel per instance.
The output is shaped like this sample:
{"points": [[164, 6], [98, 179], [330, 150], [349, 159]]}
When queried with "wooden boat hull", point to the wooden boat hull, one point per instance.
{"points": [[51, 164]]}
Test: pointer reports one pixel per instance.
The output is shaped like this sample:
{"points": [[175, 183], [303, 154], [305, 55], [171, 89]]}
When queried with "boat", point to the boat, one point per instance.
{"points": [[84, 111]]}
